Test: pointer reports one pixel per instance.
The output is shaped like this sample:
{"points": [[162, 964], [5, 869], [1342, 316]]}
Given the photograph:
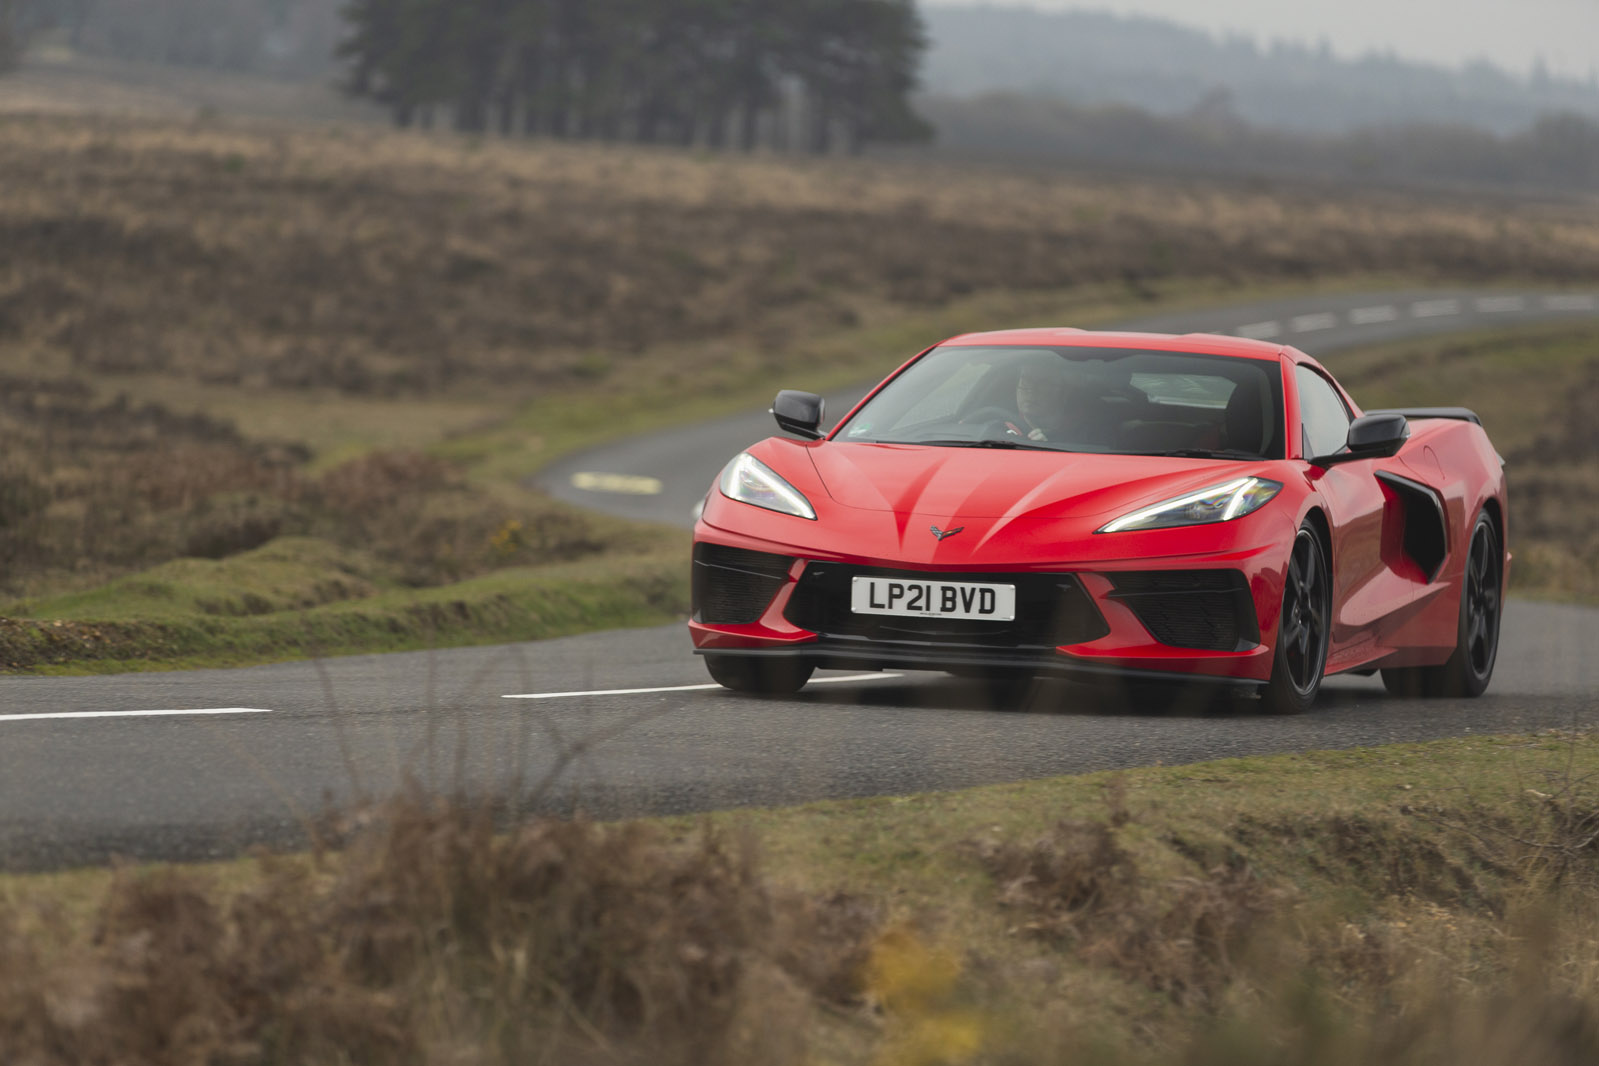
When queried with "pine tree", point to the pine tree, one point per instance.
{"points": [[670, 71]]}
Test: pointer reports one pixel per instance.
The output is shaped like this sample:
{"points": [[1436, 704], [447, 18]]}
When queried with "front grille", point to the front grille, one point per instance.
{"points": [[733, 586], [1051, 610], [1210, 610]]}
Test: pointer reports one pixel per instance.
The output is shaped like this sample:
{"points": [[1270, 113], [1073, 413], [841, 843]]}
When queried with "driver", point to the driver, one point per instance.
{"points": [[1062, 401], [1045, 397]]}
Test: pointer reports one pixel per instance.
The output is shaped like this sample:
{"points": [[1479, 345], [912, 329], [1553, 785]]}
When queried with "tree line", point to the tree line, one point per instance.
{"points": [[285, 38], [1559, 151], [811, 75]]}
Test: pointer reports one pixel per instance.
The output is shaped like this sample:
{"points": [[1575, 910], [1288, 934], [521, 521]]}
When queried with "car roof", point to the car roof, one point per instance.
{"points": [[1065, 337]]}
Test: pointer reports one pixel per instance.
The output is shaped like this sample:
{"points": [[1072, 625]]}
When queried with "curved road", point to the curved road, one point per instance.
{"points": [[204, 763]]}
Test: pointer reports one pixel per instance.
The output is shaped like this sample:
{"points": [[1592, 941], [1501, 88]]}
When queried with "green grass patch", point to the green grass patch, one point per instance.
{"points": [[169, 619], [287, 574]]}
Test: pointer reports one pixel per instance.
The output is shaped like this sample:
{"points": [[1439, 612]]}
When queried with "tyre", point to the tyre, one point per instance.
{"points": [[1471, 666], [1304, 627], [759, 676]]}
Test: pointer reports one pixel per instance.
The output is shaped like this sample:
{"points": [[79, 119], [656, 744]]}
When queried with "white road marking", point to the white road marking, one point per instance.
{"points": [[1570, 303], [1260, 331], [1494, 304], [1311, 323], [627, 484], [1434, 308], [679, 688], [130, 714], [1365, 316]]}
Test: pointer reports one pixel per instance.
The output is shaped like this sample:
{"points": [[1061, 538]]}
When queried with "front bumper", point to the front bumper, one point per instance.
{"points": [[1126, 617]]}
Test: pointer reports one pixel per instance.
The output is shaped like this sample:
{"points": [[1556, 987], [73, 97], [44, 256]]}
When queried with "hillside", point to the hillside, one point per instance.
{"points": [[1089, 58], [1095, 58]]}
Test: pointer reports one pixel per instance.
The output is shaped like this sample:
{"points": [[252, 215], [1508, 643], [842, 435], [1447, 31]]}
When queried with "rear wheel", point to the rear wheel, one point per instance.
{"points": [[757, 675], [1470, 668], [1304, 628]]}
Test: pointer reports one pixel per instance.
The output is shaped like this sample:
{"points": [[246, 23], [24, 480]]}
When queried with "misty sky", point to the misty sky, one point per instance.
{"points": [[1511, 33]]}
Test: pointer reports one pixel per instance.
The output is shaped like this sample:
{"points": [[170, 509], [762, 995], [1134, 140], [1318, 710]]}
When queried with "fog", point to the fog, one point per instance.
{"points": [[1562, 34]]}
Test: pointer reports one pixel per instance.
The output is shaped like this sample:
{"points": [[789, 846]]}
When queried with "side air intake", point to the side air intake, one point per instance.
{"points": [[1426, 528]]}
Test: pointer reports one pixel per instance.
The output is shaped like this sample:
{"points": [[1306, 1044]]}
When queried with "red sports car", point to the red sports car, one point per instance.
{"points": [[1194, 508]]}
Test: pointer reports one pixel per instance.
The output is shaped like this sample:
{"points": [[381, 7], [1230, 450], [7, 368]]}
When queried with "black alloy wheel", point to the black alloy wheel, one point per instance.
{"points": [[759, 676], [1304, 628], [1471, 667], [1482, 606]]}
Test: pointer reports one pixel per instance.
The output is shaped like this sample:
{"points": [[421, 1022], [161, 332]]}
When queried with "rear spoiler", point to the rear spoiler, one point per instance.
{"points": [[1459, 414]]}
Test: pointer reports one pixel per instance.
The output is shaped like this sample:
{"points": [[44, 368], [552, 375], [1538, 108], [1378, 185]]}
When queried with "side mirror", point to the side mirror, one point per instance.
{"points": [[1372, 437], [799, 413]]}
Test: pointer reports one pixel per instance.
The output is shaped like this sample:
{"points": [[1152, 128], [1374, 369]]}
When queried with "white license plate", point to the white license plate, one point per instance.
{"points": [[932, 599]]}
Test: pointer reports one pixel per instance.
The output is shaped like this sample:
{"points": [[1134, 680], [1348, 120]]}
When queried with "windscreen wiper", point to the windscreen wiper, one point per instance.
{"points": [[1200, 453], [986, 442]]}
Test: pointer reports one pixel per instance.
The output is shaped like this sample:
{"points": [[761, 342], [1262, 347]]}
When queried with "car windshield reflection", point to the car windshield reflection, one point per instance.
{"points": [[1093, 400]]}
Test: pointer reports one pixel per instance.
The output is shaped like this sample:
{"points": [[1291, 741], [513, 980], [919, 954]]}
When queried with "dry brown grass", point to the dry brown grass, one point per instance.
{"points": [[1079, 887], [1380, 934], [91, 489], [1392, 943], [431, 939], [376, 263]]}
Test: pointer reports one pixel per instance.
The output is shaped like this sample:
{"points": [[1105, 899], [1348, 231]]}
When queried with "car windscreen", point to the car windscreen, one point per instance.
{"points": [[1103, 400]]}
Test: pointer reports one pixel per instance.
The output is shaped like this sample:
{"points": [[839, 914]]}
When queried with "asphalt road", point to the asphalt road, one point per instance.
{"points": [[207, 763]]}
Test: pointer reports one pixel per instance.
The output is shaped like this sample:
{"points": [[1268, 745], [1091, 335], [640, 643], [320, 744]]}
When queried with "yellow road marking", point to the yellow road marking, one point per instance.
{"points": [[629, 484]]}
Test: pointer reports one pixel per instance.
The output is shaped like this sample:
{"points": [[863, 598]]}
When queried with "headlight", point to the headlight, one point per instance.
{"points": [[1220, 503], [749, 480]]}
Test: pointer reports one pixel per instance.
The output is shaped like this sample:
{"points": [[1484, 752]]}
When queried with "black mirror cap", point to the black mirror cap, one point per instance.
{"points": [[799, 413], [1375, 436]]}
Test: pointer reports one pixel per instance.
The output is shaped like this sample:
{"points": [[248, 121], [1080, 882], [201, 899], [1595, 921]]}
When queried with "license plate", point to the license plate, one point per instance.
{"points": [[932, 599]]}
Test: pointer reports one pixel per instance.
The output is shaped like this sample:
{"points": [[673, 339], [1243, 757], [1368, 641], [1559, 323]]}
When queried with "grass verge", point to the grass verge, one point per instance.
{"points": [[1364, 906], [140, 623]]}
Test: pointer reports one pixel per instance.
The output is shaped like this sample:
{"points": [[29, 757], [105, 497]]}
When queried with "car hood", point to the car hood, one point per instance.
{"points": [[985, 483]]}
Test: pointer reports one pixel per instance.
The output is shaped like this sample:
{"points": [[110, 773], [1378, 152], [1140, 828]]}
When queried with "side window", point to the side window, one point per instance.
{"points": [[1322, 411]]}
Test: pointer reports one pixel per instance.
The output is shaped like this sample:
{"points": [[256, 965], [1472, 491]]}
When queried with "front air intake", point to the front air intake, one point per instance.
{"points": [[733, 586], [1208, 610]]}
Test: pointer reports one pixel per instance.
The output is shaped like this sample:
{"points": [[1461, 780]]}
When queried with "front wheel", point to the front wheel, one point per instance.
{"points": [[759, 676], [1470, 668], [1304, 628]]}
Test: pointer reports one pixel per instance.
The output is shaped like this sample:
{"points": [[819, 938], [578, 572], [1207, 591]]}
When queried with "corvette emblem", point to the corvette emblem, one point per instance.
{"points": [[942, 533]]}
